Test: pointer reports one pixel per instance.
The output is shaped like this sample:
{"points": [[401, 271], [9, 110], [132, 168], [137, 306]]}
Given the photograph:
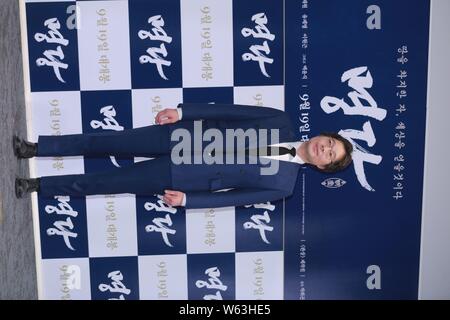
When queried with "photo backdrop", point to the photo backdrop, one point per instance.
{"points": [[355, 67]]}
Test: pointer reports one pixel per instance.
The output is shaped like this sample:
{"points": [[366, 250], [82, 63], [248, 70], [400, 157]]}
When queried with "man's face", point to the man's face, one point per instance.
{"points": [[322, 151]]}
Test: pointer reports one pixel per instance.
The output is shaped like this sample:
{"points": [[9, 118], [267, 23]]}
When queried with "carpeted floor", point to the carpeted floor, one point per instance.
{"points": [[17, 260]]}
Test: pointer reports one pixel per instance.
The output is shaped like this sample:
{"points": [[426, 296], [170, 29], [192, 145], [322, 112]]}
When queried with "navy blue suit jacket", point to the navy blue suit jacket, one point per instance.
{"points": [[201, 182]]}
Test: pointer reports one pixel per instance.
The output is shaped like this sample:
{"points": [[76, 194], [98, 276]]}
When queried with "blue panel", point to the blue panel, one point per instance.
{"points": [[52, 46], [258, 42], [63, 227], [106, 110], [161, 229], [211, 276], [114, 278], [260, 228], [208, 95], [364, 222], [155, 38]]}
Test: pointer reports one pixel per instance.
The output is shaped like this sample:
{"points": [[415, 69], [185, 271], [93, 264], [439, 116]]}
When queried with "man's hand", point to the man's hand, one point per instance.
{"points": [[167, 116], [173, 198]]}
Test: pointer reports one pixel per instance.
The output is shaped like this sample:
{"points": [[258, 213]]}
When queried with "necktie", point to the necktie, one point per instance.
{"points": [[269, 151]]}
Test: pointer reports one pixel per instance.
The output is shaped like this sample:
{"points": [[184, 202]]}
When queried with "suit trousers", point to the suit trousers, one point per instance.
{"points": [[142, 178]]}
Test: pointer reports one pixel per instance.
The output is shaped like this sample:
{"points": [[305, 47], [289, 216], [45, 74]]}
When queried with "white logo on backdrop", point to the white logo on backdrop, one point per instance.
{"points": [[156, 55], [260, 222], [213, 283], [259, 52], [333, 183], [53, 57], [161, 225], [116, 286], [358, 82], [63, 227], [108, 123]]}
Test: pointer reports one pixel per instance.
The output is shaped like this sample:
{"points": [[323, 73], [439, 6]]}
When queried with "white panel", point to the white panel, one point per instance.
{"points": [[210, 230], [148, 102], [66, 279], [104, 45], [207, 43], [56, 113], [111, 224], [435, 254], [163, 277], [259, 275], [267, 96]]}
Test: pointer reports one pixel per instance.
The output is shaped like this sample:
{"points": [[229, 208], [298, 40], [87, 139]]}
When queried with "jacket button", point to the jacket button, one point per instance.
{"points": [[242, 171], [218, 173]]}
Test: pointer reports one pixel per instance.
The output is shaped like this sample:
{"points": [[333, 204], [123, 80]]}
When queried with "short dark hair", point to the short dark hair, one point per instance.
{"points": [[345, 161]]}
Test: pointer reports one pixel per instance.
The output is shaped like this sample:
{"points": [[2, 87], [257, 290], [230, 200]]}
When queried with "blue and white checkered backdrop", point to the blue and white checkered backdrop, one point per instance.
{"points": [[112, 65]]}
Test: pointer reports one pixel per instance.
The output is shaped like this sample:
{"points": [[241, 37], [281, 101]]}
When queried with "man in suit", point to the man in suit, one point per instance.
{"points": [[191, 183]]}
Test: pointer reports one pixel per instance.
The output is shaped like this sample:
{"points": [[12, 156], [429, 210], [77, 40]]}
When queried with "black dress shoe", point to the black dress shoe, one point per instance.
{"points": [[24, 186], [24, 149]]}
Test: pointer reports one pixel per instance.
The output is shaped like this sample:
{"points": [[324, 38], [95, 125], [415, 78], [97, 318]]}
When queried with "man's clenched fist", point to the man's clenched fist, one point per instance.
{"points": [[173, 198], [167, 116]]}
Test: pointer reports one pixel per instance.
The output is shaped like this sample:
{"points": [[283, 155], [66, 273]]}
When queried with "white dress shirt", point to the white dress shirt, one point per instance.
{"points": [[180, 113], [287, 157]]}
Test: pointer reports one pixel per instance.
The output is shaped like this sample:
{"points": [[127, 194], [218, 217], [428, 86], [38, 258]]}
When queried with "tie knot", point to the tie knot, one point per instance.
{"points": [[290, 151]]}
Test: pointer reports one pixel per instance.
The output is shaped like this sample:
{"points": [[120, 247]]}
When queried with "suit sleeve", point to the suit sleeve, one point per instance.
{"points": [[235, 197], [197, 111]]}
